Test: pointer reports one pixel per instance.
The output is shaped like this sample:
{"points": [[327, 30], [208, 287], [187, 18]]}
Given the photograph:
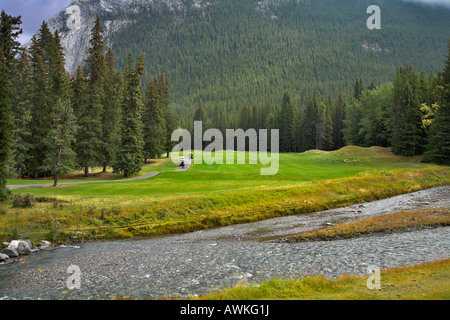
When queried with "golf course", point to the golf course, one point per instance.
{"points": [[208, 196]]}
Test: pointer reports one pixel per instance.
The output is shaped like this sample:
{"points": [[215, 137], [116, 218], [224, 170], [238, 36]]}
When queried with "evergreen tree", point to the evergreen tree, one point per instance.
{"points": [[375, 122], [200, 115], [21, 95], [309, 124], [42, 50], [171, 125], [154, 120], [317, 127], [60, 157], [79, 93], [327, 135], [89, 137], [438, 149], [287, 128], [10, 30], [5, 128], [338, 116], [111, 111], [407, 133], [130, 156], [358, 89]]}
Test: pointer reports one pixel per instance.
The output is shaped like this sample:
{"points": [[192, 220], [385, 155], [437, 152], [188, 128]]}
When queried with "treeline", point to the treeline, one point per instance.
{"points": [[411, 115], [52, 122]]}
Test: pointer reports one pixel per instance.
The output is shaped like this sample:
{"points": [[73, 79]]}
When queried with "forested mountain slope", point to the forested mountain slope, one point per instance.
{"points": [[228, 52]]}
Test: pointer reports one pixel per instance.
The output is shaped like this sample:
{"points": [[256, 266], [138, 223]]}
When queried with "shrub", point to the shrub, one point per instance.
{"points": [[23, 201], [3, 209]]}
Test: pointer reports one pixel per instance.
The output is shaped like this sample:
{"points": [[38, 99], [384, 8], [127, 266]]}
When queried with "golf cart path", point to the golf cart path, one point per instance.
{"points": [[143, 177]]}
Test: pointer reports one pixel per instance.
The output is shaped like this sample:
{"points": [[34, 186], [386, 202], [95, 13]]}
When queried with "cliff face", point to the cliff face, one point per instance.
{"points": [[75, 22]]}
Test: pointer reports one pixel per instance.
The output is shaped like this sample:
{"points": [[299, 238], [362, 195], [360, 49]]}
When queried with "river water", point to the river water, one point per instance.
{"points": [[206, 261]]}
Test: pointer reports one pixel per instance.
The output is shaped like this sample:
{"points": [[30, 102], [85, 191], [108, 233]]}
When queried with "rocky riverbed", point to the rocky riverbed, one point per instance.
{"points": [[201, 262]]}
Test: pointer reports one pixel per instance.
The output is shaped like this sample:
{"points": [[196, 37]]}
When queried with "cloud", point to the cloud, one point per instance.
{"points": [[33, 12], [444, 3]]}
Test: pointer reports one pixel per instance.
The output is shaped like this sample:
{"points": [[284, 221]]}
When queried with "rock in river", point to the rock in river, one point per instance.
{"points": [[3, 257], [10, 252], [22, 247]]}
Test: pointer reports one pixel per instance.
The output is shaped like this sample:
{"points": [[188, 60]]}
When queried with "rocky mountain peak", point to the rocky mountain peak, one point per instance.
{"points": [[75, 22]]}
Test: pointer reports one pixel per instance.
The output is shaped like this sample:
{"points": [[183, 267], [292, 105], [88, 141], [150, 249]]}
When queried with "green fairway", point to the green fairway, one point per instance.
{"points": [[294, 169]]}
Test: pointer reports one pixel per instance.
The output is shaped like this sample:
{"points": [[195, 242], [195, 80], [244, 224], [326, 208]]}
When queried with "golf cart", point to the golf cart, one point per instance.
{"points": [[182, 162]]}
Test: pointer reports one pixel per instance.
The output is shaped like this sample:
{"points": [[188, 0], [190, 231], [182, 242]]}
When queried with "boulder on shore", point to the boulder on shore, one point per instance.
{"points": [[44, 244], [3, 257], [22, 247], [12, 253]]}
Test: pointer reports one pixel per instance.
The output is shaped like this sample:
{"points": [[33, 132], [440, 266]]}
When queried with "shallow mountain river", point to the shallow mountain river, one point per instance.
{"points": [[205, 261]]}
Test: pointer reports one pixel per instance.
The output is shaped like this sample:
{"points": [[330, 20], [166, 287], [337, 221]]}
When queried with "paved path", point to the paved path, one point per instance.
{"points": [[145, 176]]}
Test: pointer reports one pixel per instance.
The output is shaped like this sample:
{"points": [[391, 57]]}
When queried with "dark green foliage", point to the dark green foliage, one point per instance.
{"points": [[287, 128], [154, 120], [9, 47], [46, 85], [21, 95], [407, 132], [89, 113], [60, 157], [5, 128], [338, 117], [130, 156], [111, 111], [439, 141], [10, 30]]}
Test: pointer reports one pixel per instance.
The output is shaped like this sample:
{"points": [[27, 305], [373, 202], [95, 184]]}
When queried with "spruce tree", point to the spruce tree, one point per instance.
{"points": [[17, 68], [5, 128], [171, 125], [327, 135], [287, 128], [60, 158], [21, 95], [89, 137], [308, 126], [111, 111], [10, 30], [338, 116], [154, 121], [130, 156], [42, 99], [407, 132], [358, 89], [438, 148]]}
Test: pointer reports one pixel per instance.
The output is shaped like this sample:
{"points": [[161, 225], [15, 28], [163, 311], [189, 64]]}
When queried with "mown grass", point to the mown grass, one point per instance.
{"points": [[394, 222], [420, 282], [218, 195]]}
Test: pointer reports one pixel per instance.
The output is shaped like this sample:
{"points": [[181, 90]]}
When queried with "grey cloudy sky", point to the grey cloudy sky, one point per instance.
{"points": [[33, 12], [445, 3]]}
